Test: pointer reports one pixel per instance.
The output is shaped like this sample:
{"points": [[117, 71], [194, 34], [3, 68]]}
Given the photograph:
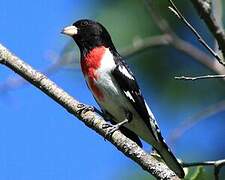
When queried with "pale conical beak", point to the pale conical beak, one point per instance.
{"points": [[70, 30]]}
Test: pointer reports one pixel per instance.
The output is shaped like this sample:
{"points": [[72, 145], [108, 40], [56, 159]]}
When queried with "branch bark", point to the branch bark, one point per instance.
{"points": [[91, 119], [180, 44], [216, 164], [204, 11], [176, 11]]}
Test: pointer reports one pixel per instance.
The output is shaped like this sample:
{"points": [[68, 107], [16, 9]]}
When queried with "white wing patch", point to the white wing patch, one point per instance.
{"points": [[107, 62], [124, 71], [129, 95], [104, 80], [149, 111]]}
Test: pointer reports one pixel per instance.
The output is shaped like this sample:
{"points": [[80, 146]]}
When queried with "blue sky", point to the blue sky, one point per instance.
{"points": [[39, 139]]}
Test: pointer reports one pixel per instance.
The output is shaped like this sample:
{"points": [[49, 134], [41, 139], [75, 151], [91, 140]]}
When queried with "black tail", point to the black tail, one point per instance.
{"points": [[164, 151]]}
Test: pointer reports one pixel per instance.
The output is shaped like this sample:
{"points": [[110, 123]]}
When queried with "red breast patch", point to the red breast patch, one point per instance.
{"points": [[89, 65]]}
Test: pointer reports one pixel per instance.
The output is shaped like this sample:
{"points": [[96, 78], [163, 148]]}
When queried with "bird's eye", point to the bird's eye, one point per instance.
{"points": [[84, 23]]}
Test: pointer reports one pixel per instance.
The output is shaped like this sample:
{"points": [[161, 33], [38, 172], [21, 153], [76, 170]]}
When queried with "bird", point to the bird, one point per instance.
{"points": [[115, 89]]}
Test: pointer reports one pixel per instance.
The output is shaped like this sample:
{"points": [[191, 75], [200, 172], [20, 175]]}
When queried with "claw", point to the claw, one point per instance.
{"points": [[106, 125], [113, 128]]}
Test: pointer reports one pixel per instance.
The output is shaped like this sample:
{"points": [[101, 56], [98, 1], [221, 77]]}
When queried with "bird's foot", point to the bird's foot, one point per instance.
{"points": [[112, 128], [156, 155], [106, 125], [84, 108]]}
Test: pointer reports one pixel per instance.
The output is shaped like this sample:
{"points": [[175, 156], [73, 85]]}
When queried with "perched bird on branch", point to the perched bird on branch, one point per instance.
{"points": [[115, 89]]}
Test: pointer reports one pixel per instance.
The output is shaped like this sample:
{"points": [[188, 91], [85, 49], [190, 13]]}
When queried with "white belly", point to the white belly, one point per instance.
{"points": [[115, 102]]}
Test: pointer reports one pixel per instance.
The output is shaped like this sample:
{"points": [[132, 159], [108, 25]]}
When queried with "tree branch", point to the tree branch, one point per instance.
{"points": [[91, 119], [180, 44], [176, 11], [204, 11], [194, 78], [141, 45], [217, 166], [16, 81], [138, 46]]}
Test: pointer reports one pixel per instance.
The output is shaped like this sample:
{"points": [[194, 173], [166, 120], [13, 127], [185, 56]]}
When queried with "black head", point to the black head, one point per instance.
{"points": [[89, 34]]}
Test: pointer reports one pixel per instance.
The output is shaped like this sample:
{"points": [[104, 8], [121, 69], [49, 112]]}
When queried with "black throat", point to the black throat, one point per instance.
{"points": [[88, 43]]}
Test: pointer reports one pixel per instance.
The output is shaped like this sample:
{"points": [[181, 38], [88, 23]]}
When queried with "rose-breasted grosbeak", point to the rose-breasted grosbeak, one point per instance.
{"points": [[115, 89]]}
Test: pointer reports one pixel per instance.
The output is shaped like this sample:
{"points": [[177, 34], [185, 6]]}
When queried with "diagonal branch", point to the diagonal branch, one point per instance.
{"points": [[16, 82], [176, 11], [204, 11], [91, 119], [141, 45], [181, 45]]}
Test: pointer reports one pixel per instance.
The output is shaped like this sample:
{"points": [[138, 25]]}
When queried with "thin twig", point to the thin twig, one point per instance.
{"points": [[193, 78], [204, 12], [216, 164], [198, 55], [91, 119], [180, 44], [175, 10], [204, 163]]}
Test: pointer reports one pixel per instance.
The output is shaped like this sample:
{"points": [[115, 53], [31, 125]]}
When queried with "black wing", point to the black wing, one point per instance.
{"points": [[128, 84]]}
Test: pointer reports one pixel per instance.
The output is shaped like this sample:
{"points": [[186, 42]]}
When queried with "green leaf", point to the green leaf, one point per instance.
{"points": [[199, 174]]}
